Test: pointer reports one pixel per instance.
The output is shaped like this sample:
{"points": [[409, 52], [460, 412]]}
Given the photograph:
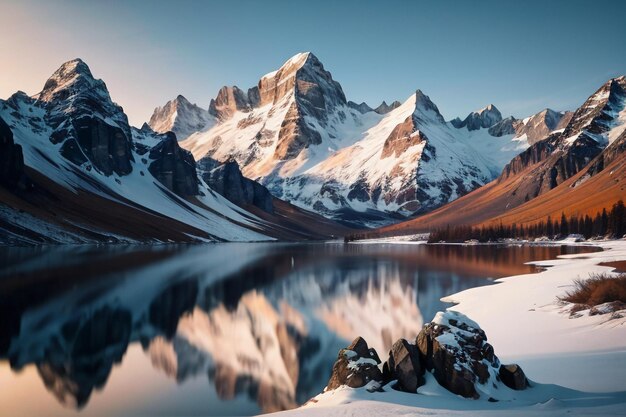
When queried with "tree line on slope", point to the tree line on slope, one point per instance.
{"points": [[611, 223]]}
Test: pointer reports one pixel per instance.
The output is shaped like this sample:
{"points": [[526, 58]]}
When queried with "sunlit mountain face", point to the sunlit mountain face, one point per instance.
{"points": [[252, 327]]}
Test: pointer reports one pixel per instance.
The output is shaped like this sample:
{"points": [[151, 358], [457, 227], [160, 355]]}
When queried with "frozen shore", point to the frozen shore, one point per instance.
{"points": [[577, 365]]}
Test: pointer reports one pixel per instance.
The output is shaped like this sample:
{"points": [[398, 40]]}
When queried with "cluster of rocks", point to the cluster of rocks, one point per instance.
{"points": [[452, 348]]}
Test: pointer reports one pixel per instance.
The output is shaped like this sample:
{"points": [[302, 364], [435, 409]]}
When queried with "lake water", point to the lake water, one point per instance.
{"points": [[226, 329]]}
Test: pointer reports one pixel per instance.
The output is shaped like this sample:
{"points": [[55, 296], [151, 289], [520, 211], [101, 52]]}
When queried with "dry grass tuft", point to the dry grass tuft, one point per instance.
{"points": [[597, 289]]}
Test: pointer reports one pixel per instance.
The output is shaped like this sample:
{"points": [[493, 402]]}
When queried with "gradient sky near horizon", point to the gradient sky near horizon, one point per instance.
{"points": [[520, 56]]}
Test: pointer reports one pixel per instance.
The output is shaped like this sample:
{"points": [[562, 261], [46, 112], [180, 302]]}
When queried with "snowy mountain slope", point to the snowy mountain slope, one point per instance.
{"points": [[423, 162], [296, 133], [93, 173]]}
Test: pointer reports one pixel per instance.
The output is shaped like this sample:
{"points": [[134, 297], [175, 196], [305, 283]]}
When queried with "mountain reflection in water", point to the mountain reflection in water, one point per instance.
{"points": [[256, 327]]}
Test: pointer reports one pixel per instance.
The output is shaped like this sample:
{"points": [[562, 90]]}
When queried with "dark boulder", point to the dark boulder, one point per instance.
{"points": [[173, 166], [356, 366], [404, 365], [11, 158], [513, 377], [226, 179], [452, 348], [455, 349]]}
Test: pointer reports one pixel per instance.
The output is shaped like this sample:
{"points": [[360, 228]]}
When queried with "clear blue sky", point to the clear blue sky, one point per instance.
{"points": [[521, 56]]}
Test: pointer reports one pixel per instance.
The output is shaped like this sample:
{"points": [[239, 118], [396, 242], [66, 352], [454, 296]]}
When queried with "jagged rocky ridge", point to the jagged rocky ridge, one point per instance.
{"points": [[295, 133], [453, 348], [592, 128], [69, 149]]}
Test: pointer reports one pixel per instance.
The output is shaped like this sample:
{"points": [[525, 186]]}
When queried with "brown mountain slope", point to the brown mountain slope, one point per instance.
{"points": [[588, 192], [599, 185]]}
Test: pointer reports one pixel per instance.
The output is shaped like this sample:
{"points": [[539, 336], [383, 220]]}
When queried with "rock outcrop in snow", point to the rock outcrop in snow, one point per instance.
{"points": [[452, 347], [227, 180], [533, 128], [356, 366], [173, 166]]}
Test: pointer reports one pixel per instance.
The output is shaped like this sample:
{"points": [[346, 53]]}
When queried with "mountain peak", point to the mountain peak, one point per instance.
{"points": [[424, 105], [385, 108], [598, 111], [301, 59], [304, 75], [361, 108], [181, 99], [71, 78], [74, 66], [486, 117], [181, 117], [490, 108]]}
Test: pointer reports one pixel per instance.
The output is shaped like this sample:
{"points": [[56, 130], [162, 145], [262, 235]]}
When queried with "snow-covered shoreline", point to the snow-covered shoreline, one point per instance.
{"points": [[577, 365]]}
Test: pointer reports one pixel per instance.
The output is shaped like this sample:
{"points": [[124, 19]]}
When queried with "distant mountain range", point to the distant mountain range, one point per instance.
{"points": [[296, 134], [290, 158], [75, 171], [577, 170]]}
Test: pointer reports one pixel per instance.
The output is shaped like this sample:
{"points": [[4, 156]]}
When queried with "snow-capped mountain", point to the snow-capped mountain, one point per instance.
{"points": [[533, 128], [79, 173], [578, 169], [591, 128], [181, 117], [296, 134]]}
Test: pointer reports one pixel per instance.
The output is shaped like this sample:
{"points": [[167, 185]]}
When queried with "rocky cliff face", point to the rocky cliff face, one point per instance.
{"points": [[229, 100], [85, 120], [173, 166], [305, 75], [227, 180], [181, 117], [402, 137], [11, 158]]}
